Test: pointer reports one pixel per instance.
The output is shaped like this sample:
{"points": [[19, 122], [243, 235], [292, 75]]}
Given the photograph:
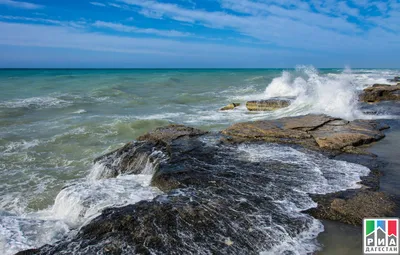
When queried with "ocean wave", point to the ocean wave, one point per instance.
{"points": [[36, 103], [80, 111]]}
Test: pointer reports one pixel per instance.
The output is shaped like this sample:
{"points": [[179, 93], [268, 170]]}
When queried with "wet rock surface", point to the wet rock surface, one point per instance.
{"points": [[381, 92], [267, 105], [233, 198], [313, 131], [230, 106], [352, 207]]}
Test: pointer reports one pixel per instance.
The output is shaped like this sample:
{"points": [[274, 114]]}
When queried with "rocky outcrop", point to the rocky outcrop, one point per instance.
{"points": [[267, 105], [228, 198], [380, 92], [230, 106], [169, 133], [217, 200], [145, 154], [352, 207], [313, 131]]}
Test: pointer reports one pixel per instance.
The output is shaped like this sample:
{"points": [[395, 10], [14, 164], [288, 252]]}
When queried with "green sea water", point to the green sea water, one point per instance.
{"points": [[53, 123]]}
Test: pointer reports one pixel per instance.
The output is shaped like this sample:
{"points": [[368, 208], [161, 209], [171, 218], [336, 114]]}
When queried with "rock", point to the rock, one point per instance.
{"points": [[130, 159], [380, 92], [370, 112], [337, 135], [352, 207], [220, 199], [169, 133], [267, 105], [146, 153], [395, 79], [313, 131], [214, 195], [230, 106]]}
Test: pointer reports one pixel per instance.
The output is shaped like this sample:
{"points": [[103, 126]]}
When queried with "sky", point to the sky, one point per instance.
{"points": [[199, 33]]}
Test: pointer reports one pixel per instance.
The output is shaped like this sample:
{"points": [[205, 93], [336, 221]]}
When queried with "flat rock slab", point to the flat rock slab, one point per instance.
{"points": [[170, 133], [313, 131], [380, 92], [267, 105], [353, 206]]}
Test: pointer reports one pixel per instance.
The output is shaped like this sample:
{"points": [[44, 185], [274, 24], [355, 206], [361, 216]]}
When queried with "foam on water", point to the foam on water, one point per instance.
{"points": [[75, 205], [314, 93], [81, 111], [318, 175], [36, 103], [24, 232], [81, 202], [334, 94]]}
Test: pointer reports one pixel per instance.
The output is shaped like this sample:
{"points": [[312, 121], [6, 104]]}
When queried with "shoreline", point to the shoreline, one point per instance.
{"points": [[119, 132], [351, 236], [168, 135]]}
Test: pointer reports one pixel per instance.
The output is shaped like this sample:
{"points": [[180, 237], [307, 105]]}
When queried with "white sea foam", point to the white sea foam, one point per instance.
{"points": [[35, 103], [334, 94], [342, 175], [75, 205], [19, 146], [304, 243], [80, 202], [25, 232], [80, 111], [315, 93], [318, 175]]}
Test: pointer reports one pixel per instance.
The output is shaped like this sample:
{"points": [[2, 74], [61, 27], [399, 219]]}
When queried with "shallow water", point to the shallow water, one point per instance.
{"points": [[53, 123], [343, 239]]}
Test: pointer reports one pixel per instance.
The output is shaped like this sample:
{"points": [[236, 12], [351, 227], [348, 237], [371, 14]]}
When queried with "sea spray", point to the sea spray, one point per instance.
{"points": [[76, 204], [314, 93]]}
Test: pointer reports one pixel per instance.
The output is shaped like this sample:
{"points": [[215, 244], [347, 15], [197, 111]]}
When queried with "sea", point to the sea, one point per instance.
{"points": [[54, 122]]}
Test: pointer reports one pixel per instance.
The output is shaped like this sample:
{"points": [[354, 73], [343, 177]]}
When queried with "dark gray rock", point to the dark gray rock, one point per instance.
{"points": [[218, 198]]}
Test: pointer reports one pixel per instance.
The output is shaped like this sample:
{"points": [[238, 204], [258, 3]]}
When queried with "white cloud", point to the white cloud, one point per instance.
{"points": [[270, 23], [345, 9], [97, 4], [151, 14], [72, 24], [132, 29], [62, 37], [22, 5]]}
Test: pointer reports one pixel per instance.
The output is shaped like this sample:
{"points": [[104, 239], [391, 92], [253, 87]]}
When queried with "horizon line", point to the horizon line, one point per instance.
{"points": [[176, 68]]}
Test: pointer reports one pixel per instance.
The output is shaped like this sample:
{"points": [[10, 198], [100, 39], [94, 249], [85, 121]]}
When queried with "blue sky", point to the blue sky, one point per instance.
{"points": [[199, 33]]}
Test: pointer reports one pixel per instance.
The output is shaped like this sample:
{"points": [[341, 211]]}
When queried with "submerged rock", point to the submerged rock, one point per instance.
{"points": [[267, 105], [380, 92], [395, 79], [230, 106], [312, 131]]}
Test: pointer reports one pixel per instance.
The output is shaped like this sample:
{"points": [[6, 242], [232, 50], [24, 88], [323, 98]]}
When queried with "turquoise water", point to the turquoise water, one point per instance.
{"points": [[53, 123]]}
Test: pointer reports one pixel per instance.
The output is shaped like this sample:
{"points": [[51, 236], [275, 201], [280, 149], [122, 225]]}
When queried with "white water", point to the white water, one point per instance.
{"points": [[318, 175], [74, 206], [334, 94]]}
